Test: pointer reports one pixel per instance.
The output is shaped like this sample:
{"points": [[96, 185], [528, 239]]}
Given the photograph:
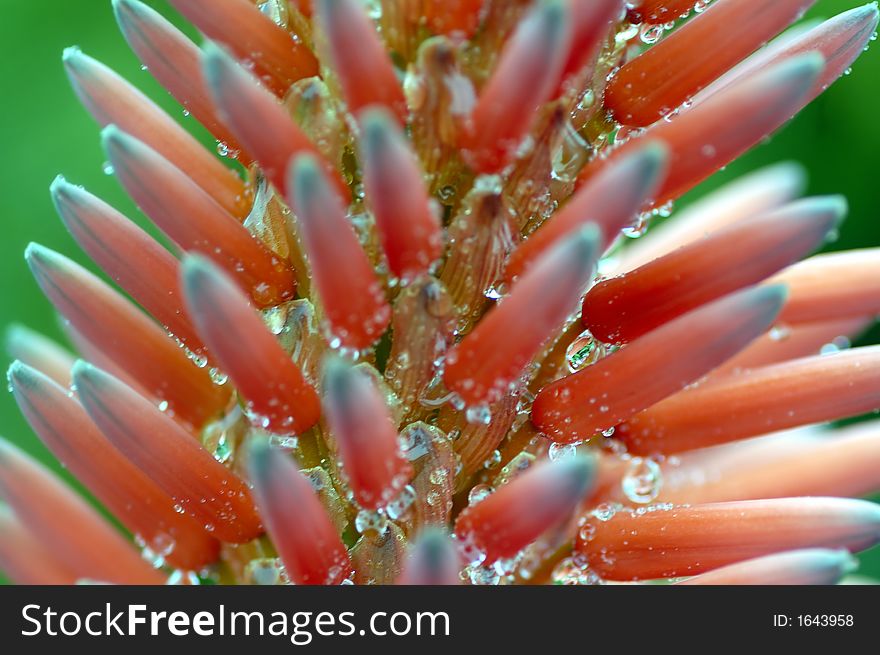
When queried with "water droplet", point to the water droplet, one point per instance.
{"points": [[571, 571], [650, 34], [225, 151], [157, 549], [495, 292], [263, 571], [637, 230], [398, 507], [371, 521], [643, 480], [587, 532], [561, 451], [835, 346], [483, 575], [605, 511], [285, 441], [780, 332], [506, 567], [479, 492], [223, 450], [493, 460], [446, 193], [583, 351], [628, 32], [479, 414], [217, 376], [439, 476]]}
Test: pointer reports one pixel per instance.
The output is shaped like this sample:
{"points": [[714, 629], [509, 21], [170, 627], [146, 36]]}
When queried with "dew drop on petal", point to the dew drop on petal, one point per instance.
{"points": [[400, 505], [368, 521], [561, 451], [284, 441], [479, 492], [643, 480]]}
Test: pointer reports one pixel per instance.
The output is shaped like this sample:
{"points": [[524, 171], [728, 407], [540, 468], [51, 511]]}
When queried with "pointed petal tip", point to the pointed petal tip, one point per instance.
{"points": [[39, 256], [79, 66], [340, 380], [653, 155], [306, 179], [213, 52], [837, 204], [64, 195], [216, 64], [334, 371], [835, 207], [585, 242], [71, 56], [124, 10], [23, 379], [33, 349], [841, 559], [87, 376], [774, 295], [555, 12], [16, 372], [376, 122], [59, 185], [304, 171], [263, 460], [118, 145], [432, 559], [578, 251], [810, 566], [808, 65], [129, 13], [790, 174], [31, 250], [112, 136], [580, 471], [16, 333], [259, 456], [646, 166], [542, 498], [41, 260], [869, 10], [195, 270], [766, 301], [867, 513], [433, 538], [824, 214], [21, 374]]}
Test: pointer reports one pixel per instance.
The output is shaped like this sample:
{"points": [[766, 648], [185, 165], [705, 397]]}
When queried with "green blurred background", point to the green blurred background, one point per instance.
{"points": [[44, 132]]}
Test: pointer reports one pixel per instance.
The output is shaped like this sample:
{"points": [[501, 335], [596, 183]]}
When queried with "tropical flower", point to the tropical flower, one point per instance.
{"points": [[403, 333]]}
